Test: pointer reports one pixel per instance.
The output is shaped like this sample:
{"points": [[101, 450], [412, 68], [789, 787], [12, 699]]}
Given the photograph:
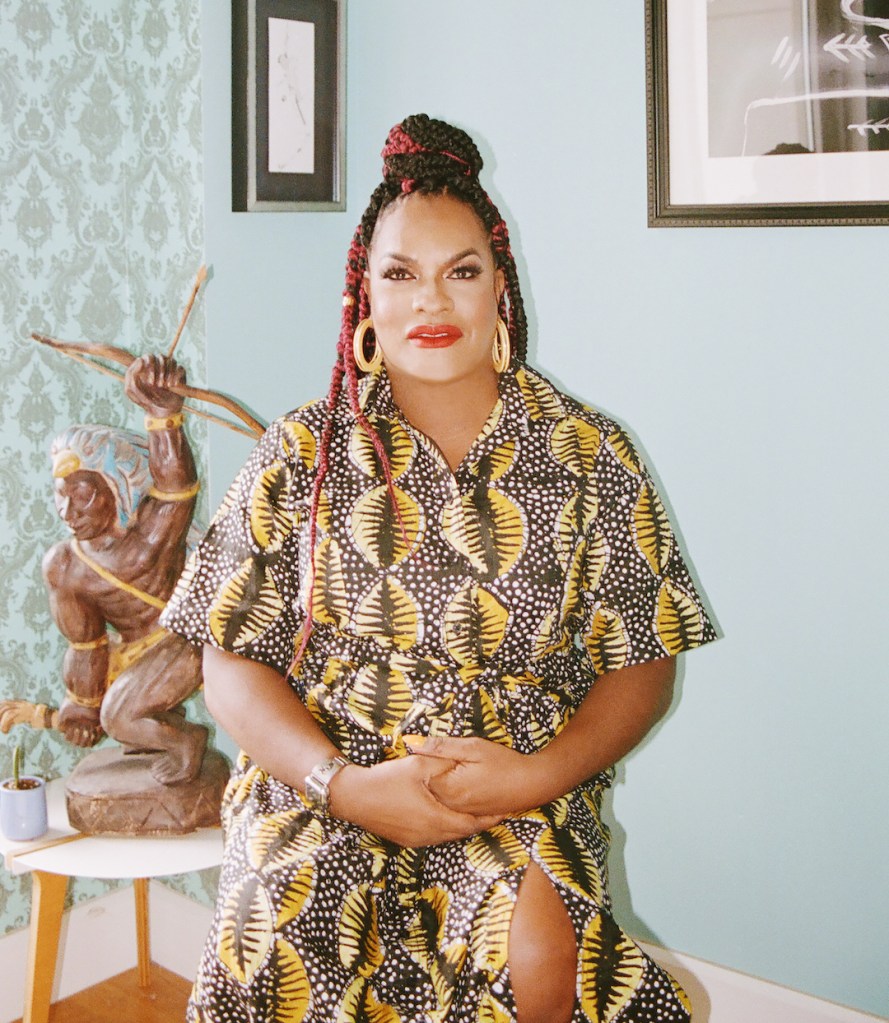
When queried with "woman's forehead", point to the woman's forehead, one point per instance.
{"points": [[428, 221]]}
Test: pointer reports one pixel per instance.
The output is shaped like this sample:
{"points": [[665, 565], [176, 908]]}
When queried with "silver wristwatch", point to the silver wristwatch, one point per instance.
{"points": [[317, 783]]}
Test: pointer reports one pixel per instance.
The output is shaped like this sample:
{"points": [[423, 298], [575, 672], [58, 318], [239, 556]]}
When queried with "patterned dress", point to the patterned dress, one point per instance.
{"points": [[488, 610]]}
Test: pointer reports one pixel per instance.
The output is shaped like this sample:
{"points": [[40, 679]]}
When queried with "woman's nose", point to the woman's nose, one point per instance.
{"points": [[431, 297]]}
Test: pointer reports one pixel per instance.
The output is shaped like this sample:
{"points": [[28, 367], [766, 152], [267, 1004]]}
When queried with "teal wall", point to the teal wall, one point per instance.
{"points": [[751, 829], [101, 234]]}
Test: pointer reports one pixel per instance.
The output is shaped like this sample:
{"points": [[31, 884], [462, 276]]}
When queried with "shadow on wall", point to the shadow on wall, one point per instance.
{"points": [[619, 882]]}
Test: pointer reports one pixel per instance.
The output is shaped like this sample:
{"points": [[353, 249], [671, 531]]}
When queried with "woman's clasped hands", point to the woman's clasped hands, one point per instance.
{"points": [[447, 789], [482, 777]]}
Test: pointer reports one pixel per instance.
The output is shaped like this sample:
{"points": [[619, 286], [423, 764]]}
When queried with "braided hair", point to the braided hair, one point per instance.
{"points": [[430, 157]]}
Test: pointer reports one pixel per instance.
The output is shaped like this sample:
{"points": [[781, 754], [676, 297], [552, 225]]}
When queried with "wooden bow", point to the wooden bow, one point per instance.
{"points": [[91, 353]]}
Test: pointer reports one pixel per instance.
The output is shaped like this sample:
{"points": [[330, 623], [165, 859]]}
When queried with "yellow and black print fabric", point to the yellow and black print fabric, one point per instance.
{"points": [[485, 602]]}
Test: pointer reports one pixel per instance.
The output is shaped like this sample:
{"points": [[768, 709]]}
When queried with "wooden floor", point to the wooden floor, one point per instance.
{"points": [[121, 998]]}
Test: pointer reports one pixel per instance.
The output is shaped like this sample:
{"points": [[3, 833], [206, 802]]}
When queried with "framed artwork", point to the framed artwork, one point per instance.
{"points": [[773, 113], [288, 105]]}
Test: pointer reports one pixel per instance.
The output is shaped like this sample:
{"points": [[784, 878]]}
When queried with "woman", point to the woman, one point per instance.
{"points": [[436, 609]]}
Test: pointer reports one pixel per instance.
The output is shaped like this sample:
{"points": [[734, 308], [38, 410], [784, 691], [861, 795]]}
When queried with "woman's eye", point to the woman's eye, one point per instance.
{"points": [[396, 273], [466, 273]]}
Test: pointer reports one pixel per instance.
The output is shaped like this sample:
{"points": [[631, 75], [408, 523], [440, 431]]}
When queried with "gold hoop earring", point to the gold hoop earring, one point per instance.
{"points": [[500, 350], [361, 361]]}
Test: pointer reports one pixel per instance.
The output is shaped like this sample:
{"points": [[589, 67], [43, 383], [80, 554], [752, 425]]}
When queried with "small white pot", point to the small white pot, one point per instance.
{"points": [[23, 811]]}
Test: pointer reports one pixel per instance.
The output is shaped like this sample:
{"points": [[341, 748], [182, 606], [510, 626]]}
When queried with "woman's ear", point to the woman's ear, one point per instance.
{"points": [[365, 284], [499, 284]]}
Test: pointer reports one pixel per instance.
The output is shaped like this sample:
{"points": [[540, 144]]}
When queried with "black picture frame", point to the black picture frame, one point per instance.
{"points": [[689, 186], [288, 105]]}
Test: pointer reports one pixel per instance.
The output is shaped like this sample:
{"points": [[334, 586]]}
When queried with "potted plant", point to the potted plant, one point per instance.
{"points": [[22, 802]]}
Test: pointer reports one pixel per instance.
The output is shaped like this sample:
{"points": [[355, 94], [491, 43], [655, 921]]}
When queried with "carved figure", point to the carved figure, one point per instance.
{"points": [[129, 502], [128, 505]]}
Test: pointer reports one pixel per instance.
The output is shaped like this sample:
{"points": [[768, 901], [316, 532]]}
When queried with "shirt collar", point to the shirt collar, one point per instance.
{"points": [[375, 395], [510, 418]]}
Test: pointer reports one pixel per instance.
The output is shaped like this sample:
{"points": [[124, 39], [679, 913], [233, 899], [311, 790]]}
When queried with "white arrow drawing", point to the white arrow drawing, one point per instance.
{"points": [[785, 58], [808, 97], [848, 7], [870, 126], [885, 39], [839, 43]]}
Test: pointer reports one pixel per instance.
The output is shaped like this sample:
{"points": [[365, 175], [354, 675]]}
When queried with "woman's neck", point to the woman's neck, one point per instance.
{"points": [[451, 414]]}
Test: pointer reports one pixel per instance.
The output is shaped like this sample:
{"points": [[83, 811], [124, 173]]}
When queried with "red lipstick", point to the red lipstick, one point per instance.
{"points": [[435, 335]]}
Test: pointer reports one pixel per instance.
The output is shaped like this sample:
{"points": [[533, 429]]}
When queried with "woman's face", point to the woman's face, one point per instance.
{"points": [[433, 290]]}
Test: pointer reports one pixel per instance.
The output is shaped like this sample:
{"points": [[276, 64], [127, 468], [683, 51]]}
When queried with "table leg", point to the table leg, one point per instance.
{"points": [[47, 903], [143, 939]]}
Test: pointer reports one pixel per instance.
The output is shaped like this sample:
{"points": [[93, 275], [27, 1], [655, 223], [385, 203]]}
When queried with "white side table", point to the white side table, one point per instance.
{"points": [[62, 853]]}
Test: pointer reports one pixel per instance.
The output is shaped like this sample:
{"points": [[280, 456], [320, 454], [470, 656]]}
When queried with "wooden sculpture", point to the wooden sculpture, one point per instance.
{"points": [[128, 503]]}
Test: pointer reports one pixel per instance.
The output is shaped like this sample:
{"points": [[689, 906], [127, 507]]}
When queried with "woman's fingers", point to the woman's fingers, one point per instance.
{"points": [[445, 747], [480, 776], [394, 800]]}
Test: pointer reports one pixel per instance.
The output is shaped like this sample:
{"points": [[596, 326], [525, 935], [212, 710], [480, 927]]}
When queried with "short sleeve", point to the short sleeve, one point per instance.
{"points": [[639, 598], [240, 587]]}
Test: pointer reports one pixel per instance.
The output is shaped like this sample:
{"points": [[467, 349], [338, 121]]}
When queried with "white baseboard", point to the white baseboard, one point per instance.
{"points": [[721, 995], [99, 941]]}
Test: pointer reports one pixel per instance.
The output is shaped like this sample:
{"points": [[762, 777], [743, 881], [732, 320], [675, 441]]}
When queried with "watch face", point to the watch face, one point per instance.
{"points": [[316, 793], [316, 783]]}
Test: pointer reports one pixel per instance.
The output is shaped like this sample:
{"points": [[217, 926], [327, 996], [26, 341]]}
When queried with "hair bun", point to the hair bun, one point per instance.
{"points": [[422, 148]]}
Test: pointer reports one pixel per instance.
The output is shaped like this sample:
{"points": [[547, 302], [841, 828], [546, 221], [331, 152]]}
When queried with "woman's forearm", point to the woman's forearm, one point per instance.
{"points": [[619, 711], [265, 717], [260, 711], [615, 716]]}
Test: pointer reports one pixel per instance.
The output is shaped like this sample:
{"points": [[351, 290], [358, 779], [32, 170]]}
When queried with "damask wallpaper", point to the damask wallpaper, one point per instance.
{"points": [[101, 235]]}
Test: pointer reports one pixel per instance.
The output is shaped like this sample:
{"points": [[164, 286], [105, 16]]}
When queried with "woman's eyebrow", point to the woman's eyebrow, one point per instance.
{"points": [[464, 254], [398, 257], [401, 258]]}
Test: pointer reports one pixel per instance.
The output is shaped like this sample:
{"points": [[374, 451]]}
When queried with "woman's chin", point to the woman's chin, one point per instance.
{"points": [[431, 369]]}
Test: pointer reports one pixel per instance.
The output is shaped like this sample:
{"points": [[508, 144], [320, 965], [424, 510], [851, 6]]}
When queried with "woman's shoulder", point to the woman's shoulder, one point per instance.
{"points": [[290, 434], [545, 401], [574, 424], [290, 446], [312, 415]]}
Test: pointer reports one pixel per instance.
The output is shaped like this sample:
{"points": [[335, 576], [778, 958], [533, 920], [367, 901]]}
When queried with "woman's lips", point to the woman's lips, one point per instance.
{"points": [[438, 335]]}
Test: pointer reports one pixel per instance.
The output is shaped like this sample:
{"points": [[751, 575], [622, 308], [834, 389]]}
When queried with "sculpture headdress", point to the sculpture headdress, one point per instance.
{"points": [[118, 456]]}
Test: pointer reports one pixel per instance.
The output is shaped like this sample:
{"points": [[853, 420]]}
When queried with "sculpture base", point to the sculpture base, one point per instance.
{"points": [[114, 793]]}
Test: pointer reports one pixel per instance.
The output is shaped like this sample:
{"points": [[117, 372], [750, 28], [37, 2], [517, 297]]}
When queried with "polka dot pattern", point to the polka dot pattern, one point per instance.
{"points": [[484, 601]]}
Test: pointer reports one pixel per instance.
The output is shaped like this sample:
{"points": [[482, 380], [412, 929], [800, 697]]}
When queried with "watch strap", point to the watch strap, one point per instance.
{"points": [[317, 783]]}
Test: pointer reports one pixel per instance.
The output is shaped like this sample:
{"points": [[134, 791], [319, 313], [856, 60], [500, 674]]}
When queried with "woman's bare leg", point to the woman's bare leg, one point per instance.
{"points": [[542, 952]]}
